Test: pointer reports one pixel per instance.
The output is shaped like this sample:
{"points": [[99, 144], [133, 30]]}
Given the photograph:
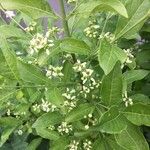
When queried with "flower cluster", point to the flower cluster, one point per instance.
{"points": [[129, 56], [109, 36], [88, 81], [87, 145], [69, 94], [39, 42], [53, 31], [92, 30], [73, 145], [54, 72], [31, 27], [51, 127], [128, 101], [70, 103], [91, 121], [64, 128], [44, 106]]}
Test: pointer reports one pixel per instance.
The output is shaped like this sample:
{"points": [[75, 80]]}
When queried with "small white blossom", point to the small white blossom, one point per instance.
{"points": [[128, 101], [51, 127], [70, 105], [31, 27], [109, 36], [9, 14], [87, 145], [129, 56], [91, 30], [36, 107], [73, 145], [90, 115], [45, 106], [87, 127], [20, 132], [78, 66], [54, 72], [38, 42], [8, 112], [64, 128], [52, 31]]}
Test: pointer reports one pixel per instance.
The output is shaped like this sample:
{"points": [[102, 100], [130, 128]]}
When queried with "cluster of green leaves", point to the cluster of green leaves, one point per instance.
{"points": [[22, 85]]}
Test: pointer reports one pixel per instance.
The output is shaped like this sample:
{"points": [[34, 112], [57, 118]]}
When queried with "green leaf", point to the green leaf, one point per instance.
{"points": [[112, 86], [34, 144], [116, 6], [138, 14], [108, 55], [100, 144], [68, 72], [138, 114], [140, 98], [132, 139], [112, 122], [112, 6], [75, 46], [43, 58], [11, 31], [79, 112], [32, 74], [9, 124], [47, 119], [33, 8], [5, 134], [134, 75], [47, 134], [113, 144], [10, 57], [55, 97], [62, 142]]}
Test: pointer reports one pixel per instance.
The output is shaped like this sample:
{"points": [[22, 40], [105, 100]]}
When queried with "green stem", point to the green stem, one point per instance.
{"points": [[65, 24], [63, 18]]}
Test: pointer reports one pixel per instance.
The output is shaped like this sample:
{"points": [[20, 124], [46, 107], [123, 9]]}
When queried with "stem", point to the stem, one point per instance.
{"points": [[65, 24], [63, 18]]}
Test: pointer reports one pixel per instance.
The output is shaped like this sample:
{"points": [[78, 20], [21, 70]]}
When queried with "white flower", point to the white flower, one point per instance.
{"points": [[64, 128], [52, 31], [86, 89], [73, 145], [87, 73], [87, 145], [20, 132], [70, 105], [128, 101], [36, 107], [51, 127], [54, 72], [129, 56], [86, 127], [69, 94], [45, 106], [109, 36], [8, 112], [91, 30], [90, 115], [38, 42], [9, 14], [78, 66]]}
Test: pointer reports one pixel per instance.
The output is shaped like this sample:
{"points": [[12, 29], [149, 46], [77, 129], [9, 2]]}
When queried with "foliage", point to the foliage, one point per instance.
{"points": [[85, 85]]}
